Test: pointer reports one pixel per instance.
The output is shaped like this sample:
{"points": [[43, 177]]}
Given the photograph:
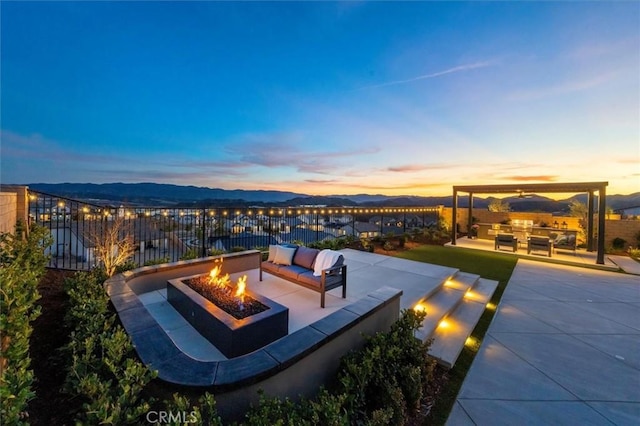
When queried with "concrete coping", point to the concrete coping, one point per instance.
{"points": [[156, 349]]}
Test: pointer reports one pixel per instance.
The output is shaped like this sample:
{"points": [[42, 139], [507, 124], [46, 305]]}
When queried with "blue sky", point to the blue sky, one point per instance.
{"points": [[319, 97]]}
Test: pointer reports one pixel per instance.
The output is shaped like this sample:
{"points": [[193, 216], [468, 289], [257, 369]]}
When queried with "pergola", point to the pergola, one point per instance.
{"points": [[577, 187]]}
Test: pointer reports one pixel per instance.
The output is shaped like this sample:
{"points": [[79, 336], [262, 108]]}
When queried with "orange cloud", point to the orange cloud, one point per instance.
{"points": [[540, 178]]}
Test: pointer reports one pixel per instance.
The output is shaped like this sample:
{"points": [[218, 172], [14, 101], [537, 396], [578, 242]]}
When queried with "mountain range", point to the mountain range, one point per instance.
{"points": [[155, 194]]}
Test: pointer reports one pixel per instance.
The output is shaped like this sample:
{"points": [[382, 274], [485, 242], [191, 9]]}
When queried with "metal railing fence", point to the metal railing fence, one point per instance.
{"points": [[166, 234]]}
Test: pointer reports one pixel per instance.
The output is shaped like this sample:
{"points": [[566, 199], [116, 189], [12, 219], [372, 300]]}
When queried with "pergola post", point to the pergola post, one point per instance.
{"points": [[590, 244], [470, 215], [454, 217], [602, 206]]}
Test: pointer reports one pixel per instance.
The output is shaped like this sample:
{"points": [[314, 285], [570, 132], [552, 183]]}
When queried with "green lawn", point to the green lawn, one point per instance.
{"points": [[490, 265]]}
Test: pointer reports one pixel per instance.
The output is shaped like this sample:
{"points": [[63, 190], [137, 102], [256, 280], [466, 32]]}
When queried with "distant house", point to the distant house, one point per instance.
{"points": [[386, 221], [362, 230], [336, 229]]}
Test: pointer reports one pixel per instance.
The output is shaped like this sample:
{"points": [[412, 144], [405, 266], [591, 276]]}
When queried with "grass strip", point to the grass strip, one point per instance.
{"points": [[489, 265]]}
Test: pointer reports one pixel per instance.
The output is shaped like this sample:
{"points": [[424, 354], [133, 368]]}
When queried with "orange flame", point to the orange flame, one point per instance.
{"points": [[215, 276], [240, 287]]}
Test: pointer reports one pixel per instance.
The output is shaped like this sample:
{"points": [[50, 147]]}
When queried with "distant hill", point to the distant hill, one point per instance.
{"points": [[137, 192], [152, 194]]}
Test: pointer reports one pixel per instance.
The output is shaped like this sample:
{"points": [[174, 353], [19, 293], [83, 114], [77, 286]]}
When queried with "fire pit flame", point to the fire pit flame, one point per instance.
{"points": [[224, 282], [240, 287]]}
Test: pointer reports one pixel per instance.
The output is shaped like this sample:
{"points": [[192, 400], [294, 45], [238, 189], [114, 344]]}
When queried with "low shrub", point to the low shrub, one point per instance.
{"points": [[380, 384], [634, 253], [325, 409], [385, 380], [618, 243], [22, 263], [103, 370], [157, 261]]}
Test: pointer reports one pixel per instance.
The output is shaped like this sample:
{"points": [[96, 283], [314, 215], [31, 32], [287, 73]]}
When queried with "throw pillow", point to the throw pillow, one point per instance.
{"points": [[272, 252], [284, 255]]}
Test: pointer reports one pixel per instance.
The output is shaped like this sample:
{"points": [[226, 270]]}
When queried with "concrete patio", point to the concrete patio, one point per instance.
{"points": [[445, 293], [563, 349], [579, 257]]}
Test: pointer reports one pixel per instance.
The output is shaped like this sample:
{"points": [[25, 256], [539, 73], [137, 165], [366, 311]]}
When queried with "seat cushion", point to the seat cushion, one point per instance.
{"points": [[305, 257], [309, 279], [270, 267], [292, 272]]}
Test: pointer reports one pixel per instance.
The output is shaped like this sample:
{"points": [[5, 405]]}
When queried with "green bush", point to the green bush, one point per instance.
{"points": [[22, 264], [157, 261], [325, 409], [237, 249], [104, 372], [385, 380], [618, 243], [190, 254], [380, 384]]}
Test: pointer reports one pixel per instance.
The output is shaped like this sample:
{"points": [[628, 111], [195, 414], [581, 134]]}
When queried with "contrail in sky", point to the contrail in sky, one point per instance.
{"points": [[435, 74]]}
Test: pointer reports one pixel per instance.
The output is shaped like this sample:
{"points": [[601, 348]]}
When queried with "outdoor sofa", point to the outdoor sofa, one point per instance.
{"points": [[318, 270]]}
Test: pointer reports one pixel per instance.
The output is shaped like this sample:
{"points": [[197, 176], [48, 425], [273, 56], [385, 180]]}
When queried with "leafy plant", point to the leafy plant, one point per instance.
{"points": [[192, 253], [103, 369], [618, 243], [325, 409], [157, 261], [22, 264], [385, 379]]}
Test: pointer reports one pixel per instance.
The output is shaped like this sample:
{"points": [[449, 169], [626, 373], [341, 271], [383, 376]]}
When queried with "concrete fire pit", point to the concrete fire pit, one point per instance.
{"points": [[233, 337]]}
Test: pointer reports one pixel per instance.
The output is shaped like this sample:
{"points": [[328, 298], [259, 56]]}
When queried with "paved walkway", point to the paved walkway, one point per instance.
{"points": [[627, 264], [563, 349]]}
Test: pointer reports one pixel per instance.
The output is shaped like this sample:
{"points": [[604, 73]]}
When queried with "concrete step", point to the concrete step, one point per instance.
{"points": [[451, 335], [439, 305]]}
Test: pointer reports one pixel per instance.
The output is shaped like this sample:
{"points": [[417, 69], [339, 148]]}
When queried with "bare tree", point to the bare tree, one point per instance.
{"points": [[497, 205], [113, 244]]}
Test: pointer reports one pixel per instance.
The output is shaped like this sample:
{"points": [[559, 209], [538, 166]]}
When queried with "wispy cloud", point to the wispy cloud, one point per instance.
{"points": [[290, 150], [461, 68], [538, 178], [409, 168], [569, 86]]}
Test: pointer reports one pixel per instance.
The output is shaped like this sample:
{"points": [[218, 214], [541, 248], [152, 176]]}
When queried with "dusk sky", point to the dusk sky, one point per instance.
{"points": [[320, 97]]}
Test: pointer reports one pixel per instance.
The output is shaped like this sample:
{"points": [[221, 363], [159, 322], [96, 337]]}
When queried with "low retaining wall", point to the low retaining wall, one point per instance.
{"points": [[293, 366]]}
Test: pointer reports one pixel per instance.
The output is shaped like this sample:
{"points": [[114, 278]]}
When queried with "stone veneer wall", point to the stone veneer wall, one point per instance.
{"points": [[8, 211], [625, 229]]}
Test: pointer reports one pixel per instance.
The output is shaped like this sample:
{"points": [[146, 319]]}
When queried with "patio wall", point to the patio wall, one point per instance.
{"points": [[14, 206], [8, 211], [626, 229]]}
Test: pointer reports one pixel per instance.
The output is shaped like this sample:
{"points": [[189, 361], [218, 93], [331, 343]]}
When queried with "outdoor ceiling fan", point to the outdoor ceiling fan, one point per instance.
{"points": [[523, 195]]}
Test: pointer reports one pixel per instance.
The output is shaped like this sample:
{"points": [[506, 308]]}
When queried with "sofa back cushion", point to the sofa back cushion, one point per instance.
{"points": [[284, 255], [305, 257]]}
